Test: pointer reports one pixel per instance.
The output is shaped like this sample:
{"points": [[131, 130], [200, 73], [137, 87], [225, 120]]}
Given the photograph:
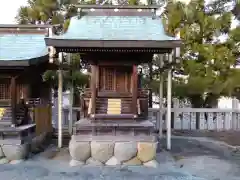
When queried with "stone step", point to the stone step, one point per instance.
{"points": [[114, 103], [110, 116]]}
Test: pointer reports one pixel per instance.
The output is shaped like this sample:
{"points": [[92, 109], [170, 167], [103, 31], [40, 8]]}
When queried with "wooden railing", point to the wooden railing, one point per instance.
{"points": [[185, 118], [199, 118]]}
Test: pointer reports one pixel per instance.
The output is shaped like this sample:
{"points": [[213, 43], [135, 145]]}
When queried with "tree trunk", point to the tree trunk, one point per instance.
{"points": [[197, 102], [211, 101]]}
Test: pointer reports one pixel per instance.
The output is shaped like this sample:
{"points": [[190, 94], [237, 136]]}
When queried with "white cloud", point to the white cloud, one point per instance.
{"points": [[8, 10]]}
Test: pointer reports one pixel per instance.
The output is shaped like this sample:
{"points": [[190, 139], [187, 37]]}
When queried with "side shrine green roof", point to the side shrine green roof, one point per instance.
{"points": [[22, 48], [108, 28]]}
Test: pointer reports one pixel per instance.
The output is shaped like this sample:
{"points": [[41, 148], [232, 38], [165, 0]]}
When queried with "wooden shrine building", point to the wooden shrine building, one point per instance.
{"points": [[23, 59], [114, 40]]}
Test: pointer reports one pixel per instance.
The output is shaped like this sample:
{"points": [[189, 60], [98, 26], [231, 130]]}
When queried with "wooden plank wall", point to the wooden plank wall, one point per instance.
{"points": [[43, 119]]}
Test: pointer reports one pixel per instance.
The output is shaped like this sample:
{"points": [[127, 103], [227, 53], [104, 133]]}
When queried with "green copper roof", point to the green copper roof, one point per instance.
{"points": [[115, 28], [17, 47]]}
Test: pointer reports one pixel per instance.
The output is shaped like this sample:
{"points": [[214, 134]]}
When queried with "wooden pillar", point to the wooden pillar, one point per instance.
{"points": [[70, 114], [93, 90], [13, 99], [169, 104], [26, 91], [161, 79], [97, 77], [60, 98], [150, 100], [134, 89]]}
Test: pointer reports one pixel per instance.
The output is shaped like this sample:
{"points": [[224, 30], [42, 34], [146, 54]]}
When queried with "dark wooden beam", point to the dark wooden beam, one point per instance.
{"points": [[13, 99], [97, 77], [150, 66], [119, 116], [23, 31], [84, 50], [93, 89], [26, 91], [121, 12], [95, 6], [116, 58], [131, 44], [134, 89], [25, 26], [20, 63]]}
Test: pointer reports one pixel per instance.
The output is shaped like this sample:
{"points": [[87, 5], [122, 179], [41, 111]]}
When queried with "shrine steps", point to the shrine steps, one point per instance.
{"points": [[5, 116], [114, 116], [113, 106]]}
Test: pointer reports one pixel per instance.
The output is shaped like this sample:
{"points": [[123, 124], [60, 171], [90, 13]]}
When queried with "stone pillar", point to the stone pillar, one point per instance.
{"points": [[176, 120], [235, 104]]}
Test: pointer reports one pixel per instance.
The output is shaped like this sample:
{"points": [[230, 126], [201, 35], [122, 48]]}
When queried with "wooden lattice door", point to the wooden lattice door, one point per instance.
{"points": [[5, 89], [116, 79]]}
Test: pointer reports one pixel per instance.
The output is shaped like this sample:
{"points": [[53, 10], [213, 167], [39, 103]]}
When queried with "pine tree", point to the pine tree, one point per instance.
{"points": [[51, 12], [208, 63]]}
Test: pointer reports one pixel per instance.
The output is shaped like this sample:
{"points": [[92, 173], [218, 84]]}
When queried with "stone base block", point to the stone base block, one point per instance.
{"points": [[74, 163], [93, 162], [37, 143], [19, 142], [15, 152], [111, 153]]}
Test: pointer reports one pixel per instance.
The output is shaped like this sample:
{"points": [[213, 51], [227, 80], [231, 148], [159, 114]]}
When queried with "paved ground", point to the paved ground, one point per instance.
{"points": [[208, 163], [230, 137], [187, 161]]}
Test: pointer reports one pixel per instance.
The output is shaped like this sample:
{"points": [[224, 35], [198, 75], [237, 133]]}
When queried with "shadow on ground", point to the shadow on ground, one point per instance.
{"points": [[199, 160], [187, 160]]}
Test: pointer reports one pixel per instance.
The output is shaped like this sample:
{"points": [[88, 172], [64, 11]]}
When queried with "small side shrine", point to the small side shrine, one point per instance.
{"points": [[114, 40], [23, 59]]}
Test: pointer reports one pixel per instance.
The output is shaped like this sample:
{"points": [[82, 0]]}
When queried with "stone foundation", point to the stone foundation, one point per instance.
{"points": [[12, 151], [37, 143], [112, 152]]}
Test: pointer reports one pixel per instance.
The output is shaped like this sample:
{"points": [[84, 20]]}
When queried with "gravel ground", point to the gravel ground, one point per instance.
{"points": [[187, 161]]}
